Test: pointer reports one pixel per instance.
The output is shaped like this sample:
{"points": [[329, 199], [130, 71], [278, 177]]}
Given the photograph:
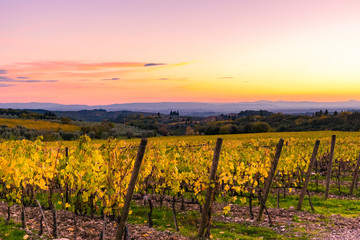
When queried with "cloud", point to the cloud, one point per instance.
{"points": [[172, 79], [30, 81], [6, 85], [154, 64], [75, 70], [72, 65], [7, 79], [3, 71], [111, 79], [49, 80], [225, 77]]}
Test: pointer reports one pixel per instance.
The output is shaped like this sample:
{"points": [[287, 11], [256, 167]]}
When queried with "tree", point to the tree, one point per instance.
{"points": [[189, 131], [260, 127], [164, 130], [65, 120]]}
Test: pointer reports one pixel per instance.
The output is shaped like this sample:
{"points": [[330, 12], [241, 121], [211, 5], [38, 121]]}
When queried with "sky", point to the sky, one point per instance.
{"points": [[121, 51]]}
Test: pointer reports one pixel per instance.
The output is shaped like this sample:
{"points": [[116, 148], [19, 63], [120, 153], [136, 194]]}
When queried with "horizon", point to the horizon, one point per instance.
{"points": [[257, 101], [148, 51]]}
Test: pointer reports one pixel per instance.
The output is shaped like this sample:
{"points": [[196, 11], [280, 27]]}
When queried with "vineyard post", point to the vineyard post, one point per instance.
{"points": [[207, 205], [174, 214], [355, 176], [130, 190], [66, 183], [23, 216], [308, 174], [270, 178], [43, 216], [328, 176]]}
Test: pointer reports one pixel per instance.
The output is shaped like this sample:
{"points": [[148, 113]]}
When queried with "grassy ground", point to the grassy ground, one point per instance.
{"points": [[188, 220], [10, 231]]}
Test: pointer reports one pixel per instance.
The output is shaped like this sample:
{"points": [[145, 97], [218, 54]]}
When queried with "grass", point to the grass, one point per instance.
{"points": [[344, 207], [38, 124], [10, 231], [188, 221], [188, 224], [230, 231]]}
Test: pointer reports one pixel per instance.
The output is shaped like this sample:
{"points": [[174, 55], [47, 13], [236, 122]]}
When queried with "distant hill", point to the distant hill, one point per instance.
{"points": [[196, 108], [98, 115]]}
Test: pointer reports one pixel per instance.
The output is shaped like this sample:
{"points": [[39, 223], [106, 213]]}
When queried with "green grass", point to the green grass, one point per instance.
{"points": [[344, 207], [230, 231], [10, 231], [188, 224], [188, 221], [163, 219]]}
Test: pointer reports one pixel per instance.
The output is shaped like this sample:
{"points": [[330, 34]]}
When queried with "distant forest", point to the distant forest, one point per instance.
{"points": [[100, 124]]}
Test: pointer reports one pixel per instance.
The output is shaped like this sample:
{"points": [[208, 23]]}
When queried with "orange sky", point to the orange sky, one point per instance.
{"points": [[104, 52]]}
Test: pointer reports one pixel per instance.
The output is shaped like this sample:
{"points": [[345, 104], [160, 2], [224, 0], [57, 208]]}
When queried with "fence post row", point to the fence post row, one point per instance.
{"points": [[355, 176], [308, 174], [270, 178], [209, 192], [205, 213], [130, 190], [328, 176]]}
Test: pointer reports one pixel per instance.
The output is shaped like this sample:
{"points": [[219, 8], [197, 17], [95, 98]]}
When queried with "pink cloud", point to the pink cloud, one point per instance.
{"points": [[69, 65]]}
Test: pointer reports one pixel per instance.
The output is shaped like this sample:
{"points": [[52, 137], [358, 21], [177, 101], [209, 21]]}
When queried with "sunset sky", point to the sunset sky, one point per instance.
{"points": [[121, 51]]}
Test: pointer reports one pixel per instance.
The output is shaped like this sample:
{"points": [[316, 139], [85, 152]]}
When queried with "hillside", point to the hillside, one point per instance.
{"points": [[198, 108], [39, 125]]}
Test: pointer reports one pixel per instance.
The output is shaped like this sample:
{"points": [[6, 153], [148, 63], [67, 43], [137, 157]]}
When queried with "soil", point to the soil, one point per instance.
{"points": [[85, 228], [286, 222]]}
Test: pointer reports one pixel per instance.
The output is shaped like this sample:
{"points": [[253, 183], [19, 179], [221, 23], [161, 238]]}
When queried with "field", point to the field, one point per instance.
{"points": [[38, 124], [88, 180]]}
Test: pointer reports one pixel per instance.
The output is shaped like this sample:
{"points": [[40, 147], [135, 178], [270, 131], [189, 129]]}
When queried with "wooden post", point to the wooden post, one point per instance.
{"points": [[270, 178], [8, 215], [355, 176], [102, 234], [55, 225], [23, 217], [308, 174], [328, 176], [207, 205], [150, 221], [43, 216], [174, 215], [66, 181], [130, 190]]}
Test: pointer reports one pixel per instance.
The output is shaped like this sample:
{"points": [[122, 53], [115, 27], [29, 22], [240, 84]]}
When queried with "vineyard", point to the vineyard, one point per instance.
{"points": [[38, 124], [205, 176]]}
